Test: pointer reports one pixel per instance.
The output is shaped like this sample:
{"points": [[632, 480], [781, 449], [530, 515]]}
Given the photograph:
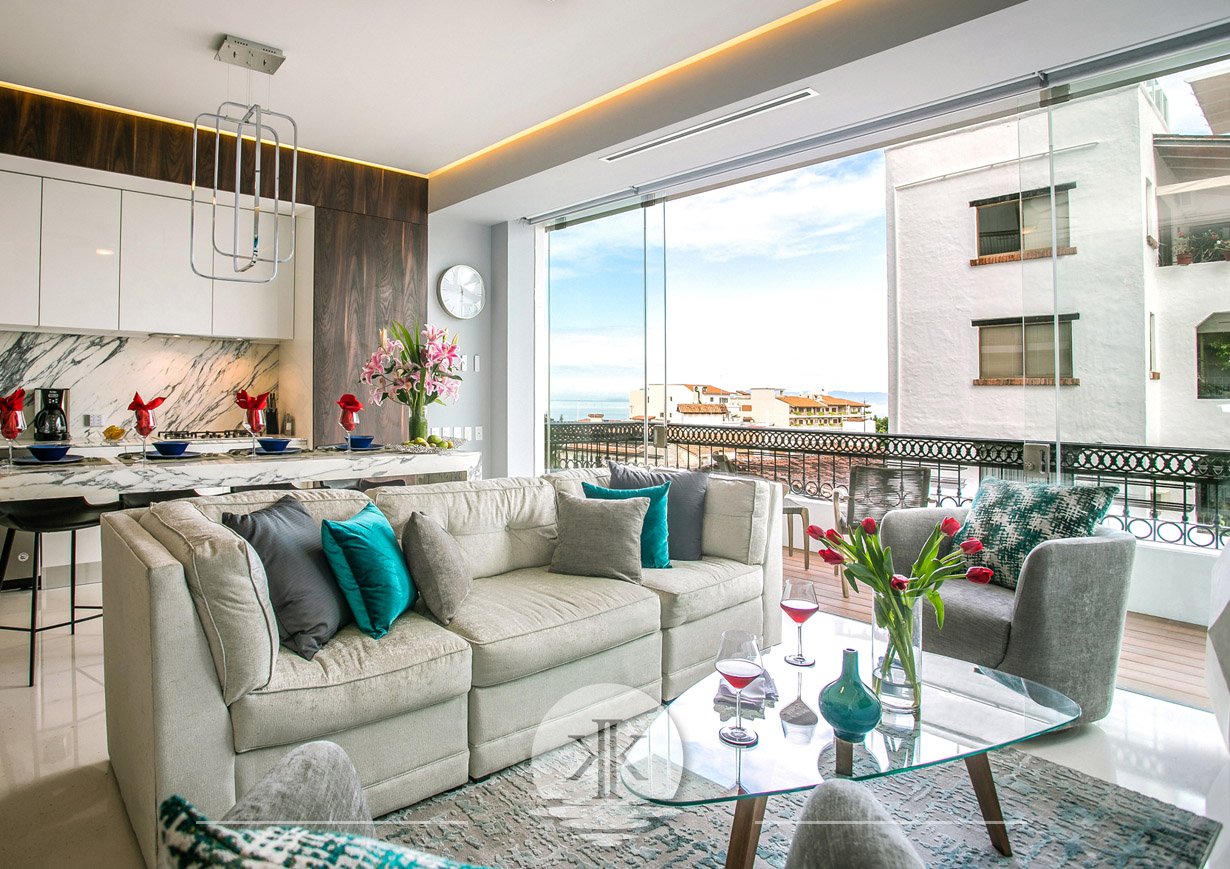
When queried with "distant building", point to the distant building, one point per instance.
{"points": [[665, 401], [777, 409]]}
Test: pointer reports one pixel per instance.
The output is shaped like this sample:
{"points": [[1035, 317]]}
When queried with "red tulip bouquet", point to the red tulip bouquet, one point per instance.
{"points": [[898, 621]]}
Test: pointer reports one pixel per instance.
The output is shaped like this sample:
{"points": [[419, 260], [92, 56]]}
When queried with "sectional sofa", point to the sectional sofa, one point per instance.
{"points": [[201, 699]]}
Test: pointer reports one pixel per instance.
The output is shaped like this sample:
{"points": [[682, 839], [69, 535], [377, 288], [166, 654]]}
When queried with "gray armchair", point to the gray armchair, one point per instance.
{"points": [[1063, 625]]}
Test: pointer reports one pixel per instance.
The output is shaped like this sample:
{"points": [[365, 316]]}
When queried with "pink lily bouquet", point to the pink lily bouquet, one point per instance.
{"points": [[898, 625], [415, 368]]}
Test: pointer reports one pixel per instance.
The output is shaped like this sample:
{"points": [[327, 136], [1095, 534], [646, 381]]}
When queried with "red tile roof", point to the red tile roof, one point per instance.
{"points": [[799, 401]]}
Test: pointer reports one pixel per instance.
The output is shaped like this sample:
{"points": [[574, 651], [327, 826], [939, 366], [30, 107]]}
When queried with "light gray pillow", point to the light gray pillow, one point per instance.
{"points": [[599, 538], [685, 504], [438, 567]]}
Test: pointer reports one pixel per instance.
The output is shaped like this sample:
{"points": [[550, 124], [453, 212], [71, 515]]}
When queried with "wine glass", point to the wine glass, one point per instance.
{"points": [[738, 660], [144, 426], [799, 602], [254, 424], [349, 422], [13, 424]]}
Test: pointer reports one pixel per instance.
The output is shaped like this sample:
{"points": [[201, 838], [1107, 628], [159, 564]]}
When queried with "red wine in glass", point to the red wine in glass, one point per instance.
{"points": [[799, 602], [738, 660]]}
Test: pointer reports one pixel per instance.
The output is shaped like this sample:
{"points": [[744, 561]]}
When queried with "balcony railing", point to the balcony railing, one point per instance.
{"points": [[1175, 496]]}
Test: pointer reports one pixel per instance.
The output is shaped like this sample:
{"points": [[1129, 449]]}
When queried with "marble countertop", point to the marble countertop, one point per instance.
{"points": [[103, 478]]}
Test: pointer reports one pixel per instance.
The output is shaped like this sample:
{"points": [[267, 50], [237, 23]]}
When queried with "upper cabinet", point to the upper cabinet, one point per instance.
{"points": [[243, 309], [20, 233], [159, 291], [79, 285]]}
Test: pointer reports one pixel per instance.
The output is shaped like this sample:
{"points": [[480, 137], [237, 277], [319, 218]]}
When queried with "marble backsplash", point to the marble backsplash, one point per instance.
{"points": [[198, 376]]}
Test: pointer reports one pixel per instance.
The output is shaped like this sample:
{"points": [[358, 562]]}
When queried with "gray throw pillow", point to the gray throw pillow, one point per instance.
{"points": [[599, 538], [437, 566], [307, 602], [685, 504]]}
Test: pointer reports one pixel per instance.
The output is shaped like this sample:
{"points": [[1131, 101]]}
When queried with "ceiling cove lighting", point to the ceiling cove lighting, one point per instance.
{"points": [[135, 113], [758, 109], [742, 38], [260, 125]]}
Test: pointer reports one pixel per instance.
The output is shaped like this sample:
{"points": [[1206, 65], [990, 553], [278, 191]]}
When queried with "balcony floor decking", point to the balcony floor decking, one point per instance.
{"points": [[1160, 658]]}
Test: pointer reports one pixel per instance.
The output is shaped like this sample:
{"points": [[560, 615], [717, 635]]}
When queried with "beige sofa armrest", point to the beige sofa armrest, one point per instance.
{"points": [[743, 522], [168, 730]]}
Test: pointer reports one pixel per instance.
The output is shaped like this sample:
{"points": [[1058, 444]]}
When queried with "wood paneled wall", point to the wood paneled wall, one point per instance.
{"points": [[371, 228], [369, 271]]}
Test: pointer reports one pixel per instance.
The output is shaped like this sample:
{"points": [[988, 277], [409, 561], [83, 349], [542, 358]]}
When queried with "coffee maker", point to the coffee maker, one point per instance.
{"points": [[51, 421]]}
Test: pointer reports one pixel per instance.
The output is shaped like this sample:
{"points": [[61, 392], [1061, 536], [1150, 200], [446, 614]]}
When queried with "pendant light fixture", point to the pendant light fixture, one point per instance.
{"points": [[257, 126]]}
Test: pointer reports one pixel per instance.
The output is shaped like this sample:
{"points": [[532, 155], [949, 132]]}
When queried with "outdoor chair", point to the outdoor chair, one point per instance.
{"points": [[1061, 627], [873, 492]]}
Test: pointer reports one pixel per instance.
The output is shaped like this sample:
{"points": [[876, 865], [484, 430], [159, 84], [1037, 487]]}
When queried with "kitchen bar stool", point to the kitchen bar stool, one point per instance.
{"points": [[261, 487], [46, 516], [132, 500]]}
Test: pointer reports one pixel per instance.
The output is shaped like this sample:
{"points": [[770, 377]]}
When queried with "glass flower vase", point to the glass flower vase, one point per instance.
{"points": [[896, 652], [418, 422]]}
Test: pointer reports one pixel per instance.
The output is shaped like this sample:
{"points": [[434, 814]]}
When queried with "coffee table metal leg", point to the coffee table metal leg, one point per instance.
{"points": [[745, 832], [845, 757], [979, 768]]}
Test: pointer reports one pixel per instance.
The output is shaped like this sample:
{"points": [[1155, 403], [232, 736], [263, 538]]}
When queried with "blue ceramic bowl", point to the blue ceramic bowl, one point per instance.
{"points": [[361, 442], [48, 452], [273, 445], [170, 448]]}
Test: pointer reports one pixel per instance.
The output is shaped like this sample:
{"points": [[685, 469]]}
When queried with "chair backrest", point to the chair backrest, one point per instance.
{"points": [[875, 490]]}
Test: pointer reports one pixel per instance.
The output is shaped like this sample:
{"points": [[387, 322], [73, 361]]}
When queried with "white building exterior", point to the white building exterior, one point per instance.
{"points": [[680, 402], [1131, 382], [777, 409]]}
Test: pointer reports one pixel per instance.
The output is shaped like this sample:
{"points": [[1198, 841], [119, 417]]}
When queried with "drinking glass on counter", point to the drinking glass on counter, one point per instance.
{"points": [[254, 423], [349, 422], [11, 426], [145, 426]]}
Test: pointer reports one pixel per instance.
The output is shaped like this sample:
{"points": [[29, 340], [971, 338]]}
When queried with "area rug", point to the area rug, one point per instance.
{"points": [[569, 808]]}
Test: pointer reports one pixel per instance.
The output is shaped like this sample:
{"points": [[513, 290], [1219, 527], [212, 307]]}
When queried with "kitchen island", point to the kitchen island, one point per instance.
{"points": [[104, 478]]}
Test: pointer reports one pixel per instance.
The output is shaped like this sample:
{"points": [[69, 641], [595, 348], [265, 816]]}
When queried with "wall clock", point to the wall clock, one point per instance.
{"points": [[462, 292]]}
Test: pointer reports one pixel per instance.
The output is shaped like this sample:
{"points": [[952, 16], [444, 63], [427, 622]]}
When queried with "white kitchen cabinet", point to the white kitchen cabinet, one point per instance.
{"points": [[159, 292], [262, 311], [20, 233], [79, 285]]}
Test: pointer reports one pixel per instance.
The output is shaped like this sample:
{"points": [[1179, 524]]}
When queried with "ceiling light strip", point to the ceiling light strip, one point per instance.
{"points": [[706, 126]]}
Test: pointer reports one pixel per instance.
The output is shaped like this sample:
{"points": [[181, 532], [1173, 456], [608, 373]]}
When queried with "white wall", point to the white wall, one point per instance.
{"points": [[935, 292], [517, 406], [453, 241]]}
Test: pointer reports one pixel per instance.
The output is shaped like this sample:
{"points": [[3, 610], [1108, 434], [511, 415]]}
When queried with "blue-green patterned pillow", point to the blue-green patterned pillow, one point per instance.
{"points": [[189, 839], [1012, 518]]}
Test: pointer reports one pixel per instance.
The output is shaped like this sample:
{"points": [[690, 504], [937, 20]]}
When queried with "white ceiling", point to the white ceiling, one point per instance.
{"points": [[413, 84]]}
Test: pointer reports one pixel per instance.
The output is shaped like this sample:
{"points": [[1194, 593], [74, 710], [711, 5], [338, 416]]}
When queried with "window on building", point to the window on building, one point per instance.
{"points": [[1213, 357], [1023, 350], [1018, 223]]}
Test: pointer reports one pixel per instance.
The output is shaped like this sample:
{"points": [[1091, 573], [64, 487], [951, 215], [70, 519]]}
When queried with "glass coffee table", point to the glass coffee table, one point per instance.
{"points": [[967, 711]]}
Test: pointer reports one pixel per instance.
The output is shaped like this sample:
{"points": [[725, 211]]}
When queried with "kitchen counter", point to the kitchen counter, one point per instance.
{"points": [[102, 478]]}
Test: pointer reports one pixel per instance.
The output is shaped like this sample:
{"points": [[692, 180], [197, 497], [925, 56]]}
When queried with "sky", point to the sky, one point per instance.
{"points": [[778, 281]]}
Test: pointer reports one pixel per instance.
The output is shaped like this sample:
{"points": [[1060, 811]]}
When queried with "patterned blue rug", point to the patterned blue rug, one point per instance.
{"points": [[568, 808]]}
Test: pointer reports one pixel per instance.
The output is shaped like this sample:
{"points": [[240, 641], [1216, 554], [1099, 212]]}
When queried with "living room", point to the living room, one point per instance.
{"points": [[295, 573]]}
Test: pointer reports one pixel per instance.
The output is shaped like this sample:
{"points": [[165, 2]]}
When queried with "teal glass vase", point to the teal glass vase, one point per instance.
{"points": [[849, 705]]}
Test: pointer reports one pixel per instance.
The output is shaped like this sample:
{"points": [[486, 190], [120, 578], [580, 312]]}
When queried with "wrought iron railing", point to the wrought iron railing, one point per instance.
{"points": [[1168, 495]]}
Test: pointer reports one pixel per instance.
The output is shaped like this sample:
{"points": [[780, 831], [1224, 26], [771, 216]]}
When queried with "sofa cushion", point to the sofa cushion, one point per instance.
{"points": [[655, 551], [352, 681], [370, 569], [977, 621], [229, 590], [530, 620], [307, 602], [321, 504], [691, 590], [599, 538], [501, 525], [737, 518], [438, 567], [686, 502]]}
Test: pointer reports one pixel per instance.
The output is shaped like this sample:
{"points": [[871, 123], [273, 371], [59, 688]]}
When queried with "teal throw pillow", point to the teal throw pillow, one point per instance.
{"points": [[369, 567], [655, 546], [189, 839], [1012, 518]]}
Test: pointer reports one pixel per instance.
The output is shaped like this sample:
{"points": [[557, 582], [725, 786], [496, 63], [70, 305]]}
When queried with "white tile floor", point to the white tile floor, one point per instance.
{"points": [[59, 805]]}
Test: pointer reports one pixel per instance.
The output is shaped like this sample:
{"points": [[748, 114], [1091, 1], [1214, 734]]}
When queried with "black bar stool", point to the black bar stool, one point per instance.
{"points": [[132, 500], [45, 516], [261, 487]]}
